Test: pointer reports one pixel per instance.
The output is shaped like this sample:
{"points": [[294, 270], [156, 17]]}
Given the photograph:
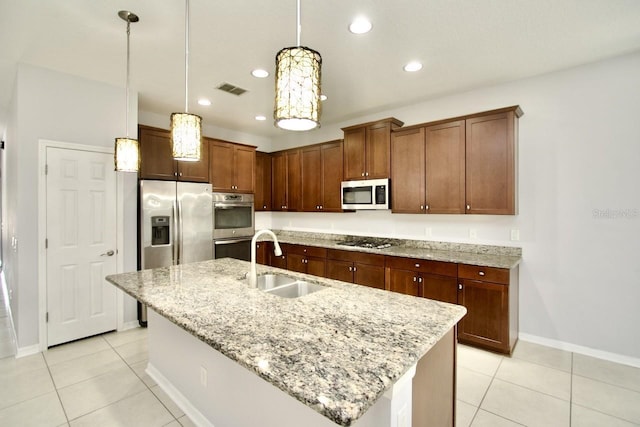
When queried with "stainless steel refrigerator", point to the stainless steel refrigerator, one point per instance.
{"points": [[175, 225]]}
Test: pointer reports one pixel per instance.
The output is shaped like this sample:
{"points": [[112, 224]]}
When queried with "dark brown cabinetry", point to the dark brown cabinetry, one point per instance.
{"points": [[429, 279], [491, 175], [156, 159], [232, 166], [306, 259], [356, 267], [262, 195], [367, 149], [432, 159], [286, 185], [321, 175], [490, 296], [261, 253]]}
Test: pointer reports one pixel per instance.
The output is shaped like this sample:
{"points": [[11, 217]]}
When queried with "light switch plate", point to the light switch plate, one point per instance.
{"points": [[427, 232], [473, 233], [515, 234]]}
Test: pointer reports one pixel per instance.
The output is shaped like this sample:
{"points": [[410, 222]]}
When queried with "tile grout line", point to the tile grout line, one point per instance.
{"points": [[571, 393], [55, 387]]}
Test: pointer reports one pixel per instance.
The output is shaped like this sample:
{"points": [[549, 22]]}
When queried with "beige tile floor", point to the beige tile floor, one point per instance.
{"points": [[100, 381]]}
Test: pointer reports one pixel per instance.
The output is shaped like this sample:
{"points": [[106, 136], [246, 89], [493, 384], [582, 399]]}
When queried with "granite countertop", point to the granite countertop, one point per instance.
{"points": [[336, 350], [482, 255]]}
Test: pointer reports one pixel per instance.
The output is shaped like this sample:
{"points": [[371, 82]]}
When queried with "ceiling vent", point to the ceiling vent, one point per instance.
{"points": [[235, 90]]}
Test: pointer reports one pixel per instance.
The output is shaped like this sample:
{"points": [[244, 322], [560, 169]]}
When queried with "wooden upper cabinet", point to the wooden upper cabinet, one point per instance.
{"points": [[321, 175], [367, 149], [491, 145], [262, 198], [445, 168], [408, 171], [279, 181], [286, 190], [294, 180], [232, 166], [156, 159]]}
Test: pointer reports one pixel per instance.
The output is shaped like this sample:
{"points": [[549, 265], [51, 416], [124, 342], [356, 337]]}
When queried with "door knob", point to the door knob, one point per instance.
{"points": [[108, 253]]}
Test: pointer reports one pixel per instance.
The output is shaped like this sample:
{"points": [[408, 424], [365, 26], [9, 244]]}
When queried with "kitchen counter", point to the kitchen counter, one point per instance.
{"points": [[337, 350], [463, 253]]}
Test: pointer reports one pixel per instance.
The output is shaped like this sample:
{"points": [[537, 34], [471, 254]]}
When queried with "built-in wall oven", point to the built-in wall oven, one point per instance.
{"points": [[233, 225]]}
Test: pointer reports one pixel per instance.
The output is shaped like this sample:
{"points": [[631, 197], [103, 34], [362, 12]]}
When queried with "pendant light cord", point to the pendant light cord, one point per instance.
{"points": [[298, 27], [126, 117], [186, 57]]}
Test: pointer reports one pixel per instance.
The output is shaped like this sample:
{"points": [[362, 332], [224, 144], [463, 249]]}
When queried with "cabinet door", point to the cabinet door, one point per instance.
{"points": [[440, 288], [354, 153], [294, 181], [278, 261], [262, 198], [490, 164], [408, 171], [221, 162], [196, 171], [156, 160], [261, 253], [245, 160], [340, 270], [296, 262], [331, 177], [279, 184], [310, 179], [316, 266], [487, 319], [405, 282], [377, 151], [445, 168], [369, 275]]}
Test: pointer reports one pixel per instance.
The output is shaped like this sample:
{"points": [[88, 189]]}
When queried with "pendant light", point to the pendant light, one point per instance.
{"points": [[297, 103], [186, 129], [127, 154]]}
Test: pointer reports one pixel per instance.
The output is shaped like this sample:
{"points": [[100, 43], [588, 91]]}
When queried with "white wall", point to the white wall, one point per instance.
{"points": [[58, 107], [579, 155]]}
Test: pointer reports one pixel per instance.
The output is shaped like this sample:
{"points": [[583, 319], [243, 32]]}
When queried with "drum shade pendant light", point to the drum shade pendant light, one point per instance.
{"points": [[186, 129], [127, 155], [297, 103]]}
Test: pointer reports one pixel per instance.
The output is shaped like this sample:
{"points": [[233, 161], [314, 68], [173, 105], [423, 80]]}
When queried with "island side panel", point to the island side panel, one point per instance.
{"points": [[434, 385]]}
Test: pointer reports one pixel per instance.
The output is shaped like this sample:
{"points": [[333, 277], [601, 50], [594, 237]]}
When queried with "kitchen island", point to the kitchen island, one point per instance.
{"points": [[231, 355]]}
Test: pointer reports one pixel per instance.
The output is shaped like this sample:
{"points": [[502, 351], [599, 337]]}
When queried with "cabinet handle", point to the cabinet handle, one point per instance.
{"points": [[175, 174], [468, 207], [460, 286], [180, 173], [355, 269], [415, 279], [321, 207], [366, 174], [362, 173], [421, 207], [350, 268], [419, 279], [417, 265], [426, 207], [264, 206], [481, 273], [304, 250]]}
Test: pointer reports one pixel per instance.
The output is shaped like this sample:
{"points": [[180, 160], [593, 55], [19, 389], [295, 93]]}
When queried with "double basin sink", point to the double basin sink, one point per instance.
{"points": [[285, 286]]}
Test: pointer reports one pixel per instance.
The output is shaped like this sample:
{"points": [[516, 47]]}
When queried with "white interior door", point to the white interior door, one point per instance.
{"points": [[81, 244]]}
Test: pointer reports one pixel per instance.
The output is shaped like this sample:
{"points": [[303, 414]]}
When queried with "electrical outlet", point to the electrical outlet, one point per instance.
{"points": [[203, 376], [515, 234], [473, 233], [427, 232]]}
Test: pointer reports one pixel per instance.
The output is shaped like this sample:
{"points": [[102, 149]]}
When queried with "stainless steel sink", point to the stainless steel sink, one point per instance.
{"points": [[285, 286]]}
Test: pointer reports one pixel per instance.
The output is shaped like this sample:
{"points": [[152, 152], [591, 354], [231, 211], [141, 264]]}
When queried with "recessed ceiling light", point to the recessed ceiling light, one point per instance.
{"points": [[360, 25], [260, 73], [323, 97], [205, 102], [413, 66], [261, 118]]}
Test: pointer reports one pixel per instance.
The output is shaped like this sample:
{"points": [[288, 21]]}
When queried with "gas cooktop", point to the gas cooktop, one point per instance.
{"points": [[369, 244]]}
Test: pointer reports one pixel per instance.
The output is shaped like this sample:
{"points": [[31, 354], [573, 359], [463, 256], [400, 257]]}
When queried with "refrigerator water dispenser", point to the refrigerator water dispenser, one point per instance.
{"points": [[159, 230]]}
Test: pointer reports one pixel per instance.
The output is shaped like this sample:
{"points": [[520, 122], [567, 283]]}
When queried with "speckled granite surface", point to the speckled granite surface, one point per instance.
{"points": [[464, 253], [336, 350]]}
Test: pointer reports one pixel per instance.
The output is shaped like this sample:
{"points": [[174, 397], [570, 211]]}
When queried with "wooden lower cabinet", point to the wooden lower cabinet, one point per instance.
{"points": [[306, 259], [356, 267], [261, 253], [490, 296], [422, 278]]}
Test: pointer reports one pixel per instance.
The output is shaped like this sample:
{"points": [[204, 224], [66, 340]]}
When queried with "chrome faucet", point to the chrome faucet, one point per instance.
{"points": [[253, 280]]}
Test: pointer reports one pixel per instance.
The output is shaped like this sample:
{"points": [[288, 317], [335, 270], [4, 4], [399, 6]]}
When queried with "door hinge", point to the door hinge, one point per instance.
{"points": [[46, 169], [47, 317], [46, 243]]}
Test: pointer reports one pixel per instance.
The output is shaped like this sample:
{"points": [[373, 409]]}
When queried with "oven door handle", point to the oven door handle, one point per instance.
{"points": [[230, 241], [231, 205]]}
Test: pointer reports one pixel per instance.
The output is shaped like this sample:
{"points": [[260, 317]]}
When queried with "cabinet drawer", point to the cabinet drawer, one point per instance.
{"points": [[423, 266], [486, 274], [353, 256], [307, 250]]}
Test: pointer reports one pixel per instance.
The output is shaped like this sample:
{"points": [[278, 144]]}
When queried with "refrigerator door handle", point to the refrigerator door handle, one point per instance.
{"points": [[180, 233], [176, 234]]}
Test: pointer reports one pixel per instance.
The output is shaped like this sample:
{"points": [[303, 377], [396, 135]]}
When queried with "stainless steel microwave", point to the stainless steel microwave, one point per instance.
{"points": [[366, 194]]}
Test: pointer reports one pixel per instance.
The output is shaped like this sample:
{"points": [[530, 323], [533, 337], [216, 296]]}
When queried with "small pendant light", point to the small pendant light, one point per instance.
{"points": [[186, 129], [297, 103], [127, 154]]}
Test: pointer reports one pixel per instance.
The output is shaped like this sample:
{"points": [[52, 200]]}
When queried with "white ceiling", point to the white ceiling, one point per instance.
{"points": [[463, 44]]}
